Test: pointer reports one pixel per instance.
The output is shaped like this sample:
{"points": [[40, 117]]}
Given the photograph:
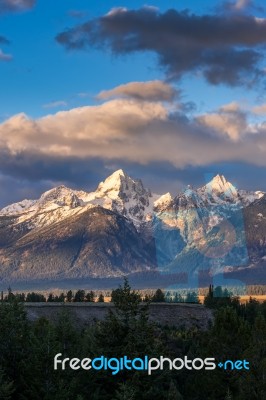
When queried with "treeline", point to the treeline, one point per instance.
{"points": [[212, 296], [27, 351], [78, 296], [250, 290], [159, 296]]}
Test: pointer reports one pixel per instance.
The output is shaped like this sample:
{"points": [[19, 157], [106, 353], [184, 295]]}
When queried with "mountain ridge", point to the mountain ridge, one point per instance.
{"points": [[123, 228]]}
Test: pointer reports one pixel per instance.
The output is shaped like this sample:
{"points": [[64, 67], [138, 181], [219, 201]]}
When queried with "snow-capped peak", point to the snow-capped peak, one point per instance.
{"points": [[116, 182], [163, 201], [121, 193], [60, 196], [220, 186]]}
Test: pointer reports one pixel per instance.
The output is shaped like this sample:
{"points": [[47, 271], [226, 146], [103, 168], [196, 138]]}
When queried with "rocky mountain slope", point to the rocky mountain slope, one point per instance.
{"points": [[122, 228]]}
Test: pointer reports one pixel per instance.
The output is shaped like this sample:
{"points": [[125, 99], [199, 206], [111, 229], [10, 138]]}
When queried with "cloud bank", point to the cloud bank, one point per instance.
{"points": [[149, 135], [139, 131]]}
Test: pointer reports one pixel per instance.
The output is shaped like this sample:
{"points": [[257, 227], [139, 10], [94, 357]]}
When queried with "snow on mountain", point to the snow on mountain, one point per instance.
{"points": [[248, 197], [53, 206], [221, 186], [178, 225], [127, 196], [163, 202], [17, 208], [218, 191], [196, 211], [58, 197]]}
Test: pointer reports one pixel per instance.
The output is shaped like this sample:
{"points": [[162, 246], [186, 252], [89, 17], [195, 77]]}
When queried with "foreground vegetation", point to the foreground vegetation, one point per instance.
{"points": [[27, 351]]}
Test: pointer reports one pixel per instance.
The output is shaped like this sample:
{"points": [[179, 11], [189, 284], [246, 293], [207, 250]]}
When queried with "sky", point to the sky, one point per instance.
{"points": [[171, 91]]}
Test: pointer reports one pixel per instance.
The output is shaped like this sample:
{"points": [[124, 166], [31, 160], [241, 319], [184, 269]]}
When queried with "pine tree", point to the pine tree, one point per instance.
{"points": [[90, 296], [79, 296], [51, 298], [69, 296], [158, 297], [101, 298]]}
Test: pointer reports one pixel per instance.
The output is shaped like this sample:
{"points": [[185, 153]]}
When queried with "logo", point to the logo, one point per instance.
{"points": [[145, 364]]}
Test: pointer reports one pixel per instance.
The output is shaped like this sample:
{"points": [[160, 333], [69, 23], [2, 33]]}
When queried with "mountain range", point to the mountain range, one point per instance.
{"points": [[122, 228]]}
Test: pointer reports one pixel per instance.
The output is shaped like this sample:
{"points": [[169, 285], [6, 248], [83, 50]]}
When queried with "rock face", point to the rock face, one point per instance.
{"points": [[124, 195], [122, 228]]}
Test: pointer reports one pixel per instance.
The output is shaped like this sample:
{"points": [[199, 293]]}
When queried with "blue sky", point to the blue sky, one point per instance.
{"points": [[41, 74]]}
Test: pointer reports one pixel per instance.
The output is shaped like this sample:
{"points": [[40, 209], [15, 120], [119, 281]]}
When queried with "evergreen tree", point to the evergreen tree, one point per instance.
{"points": [[101, 298], [147, 298], [79, 296], [127, 331], [90, 297], [192, 297], [158, 297], [17, 351], [61, 298], [69, 296], [35, 297], [10, 295], [20, 297], [178, 298], [50, 298]]}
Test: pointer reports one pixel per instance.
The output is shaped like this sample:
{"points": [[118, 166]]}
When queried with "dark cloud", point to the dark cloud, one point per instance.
{"points": [[40, 168], [27, 175], [155, 141], [7, 6], [19, 181], [4, 40], [225, 48]]}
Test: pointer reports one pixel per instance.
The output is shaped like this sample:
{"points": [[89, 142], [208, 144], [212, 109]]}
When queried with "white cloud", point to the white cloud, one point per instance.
{"points": [[138, 131], [229, 121]]}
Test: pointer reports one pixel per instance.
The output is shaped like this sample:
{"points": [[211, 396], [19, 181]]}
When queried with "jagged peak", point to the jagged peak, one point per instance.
{"points": [[118, 172], [163, 200], [219, 179], [221, 185], [117, 181]]}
